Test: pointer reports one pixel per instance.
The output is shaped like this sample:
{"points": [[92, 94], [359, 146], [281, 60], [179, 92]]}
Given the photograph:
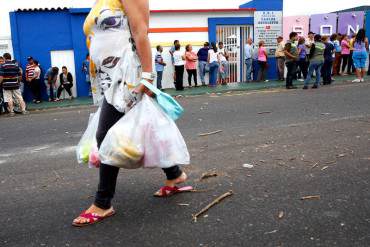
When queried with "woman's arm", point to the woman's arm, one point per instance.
{"points": [[70, 78], [209, 57]]}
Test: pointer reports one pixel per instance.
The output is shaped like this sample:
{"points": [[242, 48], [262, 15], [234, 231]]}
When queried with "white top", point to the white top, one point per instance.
{"points": [[213, 56], [177, 57], [37, 72], [222, 55]]}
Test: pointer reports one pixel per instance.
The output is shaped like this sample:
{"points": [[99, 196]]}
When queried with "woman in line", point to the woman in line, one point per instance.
{"points": [[360, 51], [328, 61], [345, 53], [179, 62], [66, 83], [316, 61], [262, 62], [224, 63], [336, 39], [302, 62], [191, 64], [121, 56], [214, 64]]}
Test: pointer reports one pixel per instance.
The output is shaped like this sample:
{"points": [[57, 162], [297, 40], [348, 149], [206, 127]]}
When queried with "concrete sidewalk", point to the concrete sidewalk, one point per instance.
{"points": [[202, 90]]}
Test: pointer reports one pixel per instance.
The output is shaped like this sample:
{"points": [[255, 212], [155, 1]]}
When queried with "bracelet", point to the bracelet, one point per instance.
{"points": [[148, 76]]}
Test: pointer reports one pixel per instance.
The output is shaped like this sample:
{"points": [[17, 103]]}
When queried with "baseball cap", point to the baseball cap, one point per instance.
{"points": [[29, 58]]}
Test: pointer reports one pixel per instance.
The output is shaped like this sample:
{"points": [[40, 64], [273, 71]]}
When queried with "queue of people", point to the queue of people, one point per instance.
{"points": [[210, 58]]}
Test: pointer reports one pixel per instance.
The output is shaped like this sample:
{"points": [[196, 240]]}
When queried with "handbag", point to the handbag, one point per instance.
{"points": [[168, 104]]}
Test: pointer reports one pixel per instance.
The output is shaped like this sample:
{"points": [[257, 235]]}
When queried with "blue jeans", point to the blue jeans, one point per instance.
{"points": [[213, 71], [249, 63], [314, 66], [202, 71], [159, 79]]}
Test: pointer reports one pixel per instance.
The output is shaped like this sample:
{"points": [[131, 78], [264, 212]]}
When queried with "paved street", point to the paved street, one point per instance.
{"points": [[300, 143]]}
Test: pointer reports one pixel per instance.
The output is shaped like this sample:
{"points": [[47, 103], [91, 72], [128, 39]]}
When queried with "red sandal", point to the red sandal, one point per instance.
{"points": [[167, 191], [92, 218]]}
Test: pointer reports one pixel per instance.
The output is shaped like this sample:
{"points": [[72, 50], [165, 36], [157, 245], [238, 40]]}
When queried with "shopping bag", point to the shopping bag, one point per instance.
{"points": [[168, 104], [145, 137], [87, 146]]}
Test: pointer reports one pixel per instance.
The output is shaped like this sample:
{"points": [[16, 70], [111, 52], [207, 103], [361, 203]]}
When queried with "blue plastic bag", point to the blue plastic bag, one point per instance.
{"points": [[168, 104]]}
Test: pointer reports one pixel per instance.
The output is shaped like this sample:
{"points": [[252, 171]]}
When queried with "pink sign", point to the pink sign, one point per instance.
{"points": [[299, 24]]}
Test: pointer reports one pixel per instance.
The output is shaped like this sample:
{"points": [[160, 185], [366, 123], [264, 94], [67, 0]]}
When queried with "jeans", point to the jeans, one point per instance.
{"points": [[179, 72], [50, 89], [314, 66], [213, 71], [202, 71], [351, 68], [326, 72], [280, 67], [292, 68], [249, 64], [262, 71], [192, 73], [67, 87], [337, 62], [159, 79], [224, 72], [108, 174]]}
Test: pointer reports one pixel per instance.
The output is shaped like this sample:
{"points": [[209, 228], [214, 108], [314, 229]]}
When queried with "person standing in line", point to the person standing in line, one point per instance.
{"points": [[50, 78], [309, 41], [351, 67], [10, 76], [202, 62], [86, 71], [280, 58], [2, 60], [179, 62], [248, 57], [262, 62], [224, 63], [66, 83], [159, 66], [336, 39], [360, 55], [30, 75], [291, 56], [328, 60], [191, 64], [214, 64], [172, 51], [302, 62], [35, 83], [316, 62], [345, 53]]}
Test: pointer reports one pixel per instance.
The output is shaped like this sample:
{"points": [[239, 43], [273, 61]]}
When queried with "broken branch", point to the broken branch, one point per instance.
{"points": [[210, 133], [310, 197]]}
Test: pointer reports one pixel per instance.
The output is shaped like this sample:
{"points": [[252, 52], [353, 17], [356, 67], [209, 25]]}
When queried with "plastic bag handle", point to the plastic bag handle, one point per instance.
{"points": [[151, 87]]}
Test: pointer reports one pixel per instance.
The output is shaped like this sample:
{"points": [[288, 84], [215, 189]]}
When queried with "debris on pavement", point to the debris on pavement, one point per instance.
{"points": [[330, 162], [325, 113], [264, 112], [213, 203], [341, 155], [311, 197], [208, 175], [274, 231], [281, 215], [249, 166], [324, 168], [316, 164], [183, 204], [210, 133]]}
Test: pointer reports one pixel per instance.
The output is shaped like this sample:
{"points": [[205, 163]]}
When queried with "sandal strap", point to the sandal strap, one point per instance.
{"points": [[92, 217], [167, 190]]}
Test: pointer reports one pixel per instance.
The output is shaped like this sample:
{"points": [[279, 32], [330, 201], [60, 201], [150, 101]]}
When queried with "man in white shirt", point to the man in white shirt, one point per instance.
{"points": [[248, 56], [280, 58]]}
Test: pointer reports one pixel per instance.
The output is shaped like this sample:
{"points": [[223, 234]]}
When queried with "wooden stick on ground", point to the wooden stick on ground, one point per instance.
{"points": [[217, 200], [210, 133], [310, 197]]}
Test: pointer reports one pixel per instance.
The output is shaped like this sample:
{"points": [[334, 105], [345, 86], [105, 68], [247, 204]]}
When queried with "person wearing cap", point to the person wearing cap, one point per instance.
{"points": [[280, 58], [31, 78]]}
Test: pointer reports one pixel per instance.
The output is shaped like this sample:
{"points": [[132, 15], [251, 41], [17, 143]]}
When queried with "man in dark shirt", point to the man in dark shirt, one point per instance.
{"points": [[203, 60], [291, 56], [328, 61], [10, 76]]}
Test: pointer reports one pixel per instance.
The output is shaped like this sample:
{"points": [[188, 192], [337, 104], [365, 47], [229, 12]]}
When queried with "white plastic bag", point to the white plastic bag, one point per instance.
{"points": [[144, 137], [88, 143]]}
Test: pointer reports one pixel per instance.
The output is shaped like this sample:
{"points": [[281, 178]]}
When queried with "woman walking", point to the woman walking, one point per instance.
{"points": [[262, 62], [191, 64], [118, 59], [360, 51], [345, 53], [214, 64]]}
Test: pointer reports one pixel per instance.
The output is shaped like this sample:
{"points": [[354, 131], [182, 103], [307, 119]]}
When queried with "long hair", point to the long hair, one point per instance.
{"points": [[360, 37], [214, 47]]}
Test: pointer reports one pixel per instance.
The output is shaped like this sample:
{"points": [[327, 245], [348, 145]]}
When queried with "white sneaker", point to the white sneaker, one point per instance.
{"points": [[356, 80], [362, 80], [300, 79]]}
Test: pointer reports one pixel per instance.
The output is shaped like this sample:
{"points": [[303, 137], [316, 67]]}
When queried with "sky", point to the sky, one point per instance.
{"points": [[291, 7]]}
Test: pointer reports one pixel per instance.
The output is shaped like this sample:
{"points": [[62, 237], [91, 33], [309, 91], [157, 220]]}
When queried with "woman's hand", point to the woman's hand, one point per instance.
{"points": [[143, 89]]}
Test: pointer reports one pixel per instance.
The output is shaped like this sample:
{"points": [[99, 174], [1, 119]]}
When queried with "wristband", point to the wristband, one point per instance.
{"points": [[148, 76]]}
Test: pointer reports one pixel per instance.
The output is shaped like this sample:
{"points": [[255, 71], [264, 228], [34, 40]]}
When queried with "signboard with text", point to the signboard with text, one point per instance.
{"points": [[268, 25]]}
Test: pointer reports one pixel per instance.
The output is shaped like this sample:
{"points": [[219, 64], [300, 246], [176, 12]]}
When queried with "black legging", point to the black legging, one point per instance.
{"points": [[303, 65], [66, 87], [345, 58], [192, 73], [108, 174], [179, 71], [35, 88]]}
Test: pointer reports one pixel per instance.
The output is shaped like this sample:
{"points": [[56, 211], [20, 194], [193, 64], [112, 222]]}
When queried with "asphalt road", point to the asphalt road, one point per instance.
{"points": [[300, 143]]}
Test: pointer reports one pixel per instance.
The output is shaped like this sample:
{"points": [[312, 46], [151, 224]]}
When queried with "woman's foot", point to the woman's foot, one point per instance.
{"points": [[173, 183], [80, 220]]}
